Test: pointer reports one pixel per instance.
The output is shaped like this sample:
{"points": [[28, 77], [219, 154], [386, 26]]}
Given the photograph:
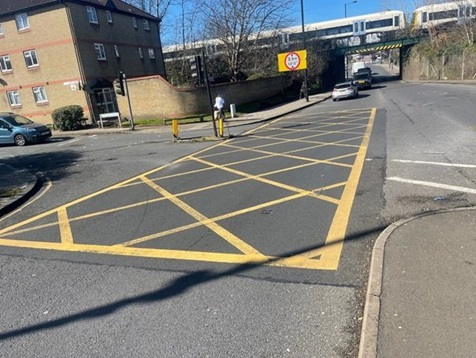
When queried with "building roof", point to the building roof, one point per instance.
{"points": [[15, 6]]}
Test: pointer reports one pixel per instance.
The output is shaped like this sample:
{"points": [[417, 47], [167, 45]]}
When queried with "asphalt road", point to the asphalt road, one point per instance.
{"points": [[146, 281]]}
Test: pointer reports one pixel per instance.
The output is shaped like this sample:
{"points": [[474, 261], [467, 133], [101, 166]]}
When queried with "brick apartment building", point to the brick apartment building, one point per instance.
{"points": [[55, 53]]}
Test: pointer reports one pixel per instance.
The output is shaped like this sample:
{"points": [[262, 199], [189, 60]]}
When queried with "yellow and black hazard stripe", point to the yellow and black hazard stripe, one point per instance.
{"points": [[377, 48]]}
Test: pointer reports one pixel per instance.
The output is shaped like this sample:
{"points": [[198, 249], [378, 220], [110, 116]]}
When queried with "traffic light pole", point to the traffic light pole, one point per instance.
{"points": [[209, 93], [132, 125]]}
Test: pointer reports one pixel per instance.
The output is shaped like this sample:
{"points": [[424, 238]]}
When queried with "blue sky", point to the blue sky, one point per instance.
{"points": [[318, 10], [323, 10]]}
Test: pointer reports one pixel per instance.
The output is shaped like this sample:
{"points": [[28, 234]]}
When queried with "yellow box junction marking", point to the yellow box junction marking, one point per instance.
{"points": [[326, 257]]}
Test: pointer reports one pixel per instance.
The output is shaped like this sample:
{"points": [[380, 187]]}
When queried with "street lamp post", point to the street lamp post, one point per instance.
{"points": [[304, 47], [345, 7]]}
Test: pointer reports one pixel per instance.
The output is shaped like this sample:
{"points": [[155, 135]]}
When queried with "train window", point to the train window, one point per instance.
{"points": [[295, 37], [441, 15], [424, 17], [362, 26], [379, 23], [356, 27], [345, 29], [332, 31], [396, 21]]}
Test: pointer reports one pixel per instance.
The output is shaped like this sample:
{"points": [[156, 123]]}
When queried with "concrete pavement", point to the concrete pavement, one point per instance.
{"points": [[420, 296]]}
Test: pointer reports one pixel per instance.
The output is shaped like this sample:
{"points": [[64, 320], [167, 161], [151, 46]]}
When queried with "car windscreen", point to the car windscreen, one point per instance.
{"points": [[361, 76], [17, 120]]}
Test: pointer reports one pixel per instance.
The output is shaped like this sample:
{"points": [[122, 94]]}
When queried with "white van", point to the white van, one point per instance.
{"points": [[356, 66]]}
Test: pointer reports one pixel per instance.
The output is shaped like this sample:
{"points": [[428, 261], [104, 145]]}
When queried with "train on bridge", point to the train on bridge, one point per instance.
{"points": [[443, 14], [348, 31], [364, 25]]}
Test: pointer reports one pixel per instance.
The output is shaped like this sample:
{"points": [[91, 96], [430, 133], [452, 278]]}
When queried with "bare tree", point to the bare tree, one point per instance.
{"points": [[157, 8], [239, 25]]}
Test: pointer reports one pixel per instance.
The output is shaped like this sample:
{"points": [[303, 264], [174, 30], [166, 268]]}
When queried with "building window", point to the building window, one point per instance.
{"points": [[116, 51], [40, 94], [92, 14], [100, 52], [5, 63], [146, 25], [14, 98], [22, 21], [31, 59], [151, 53], [134, 22], [109, 16], [141, 54], [1, 30]]}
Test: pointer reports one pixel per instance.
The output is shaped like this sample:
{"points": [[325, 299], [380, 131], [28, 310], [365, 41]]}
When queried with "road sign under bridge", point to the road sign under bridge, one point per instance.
{"points": [[292, 61]]}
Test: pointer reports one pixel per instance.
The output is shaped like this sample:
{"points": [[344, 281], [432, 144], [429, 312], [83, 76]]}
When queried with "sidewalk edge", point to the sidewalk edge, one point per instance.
{"points": [[31, 188], [370, 322]]}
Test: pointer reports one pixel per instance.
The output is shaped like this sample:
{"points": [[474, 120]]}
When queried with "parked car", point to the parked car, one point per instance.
{"points": [[363, 80], [365, 70], [345, 90], [19, 130]]}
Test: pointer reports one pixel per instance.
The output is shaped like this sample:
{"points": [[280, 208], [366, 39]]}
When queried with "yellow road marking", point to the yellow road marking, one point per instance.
{"points": [[339, 223], [326, 257], [256, 259], [228, 236], [65, 227], [237, 213]]}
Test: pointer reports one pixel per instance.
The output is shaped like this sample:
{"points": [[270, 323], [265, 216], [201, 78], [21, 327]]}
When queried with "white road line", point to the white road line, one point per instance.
{"points": [[436, 163], [434, 185]]}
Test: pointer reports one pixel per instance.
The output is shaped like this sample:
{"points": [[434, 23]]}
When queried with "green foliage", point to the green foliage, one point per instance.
{"points": [[68, 118], [256, 76]]}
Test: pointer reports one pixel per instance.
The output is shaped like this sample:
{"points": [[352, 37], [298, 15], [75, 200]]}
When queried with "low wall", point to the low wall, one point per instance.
{"points": [[154, 97], [449, 67]]}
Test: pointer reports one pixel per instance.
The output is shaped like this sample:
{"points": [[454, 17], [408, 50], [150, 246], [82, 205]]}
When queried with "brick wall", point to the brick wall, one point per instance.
{"points": [[153, 97]]}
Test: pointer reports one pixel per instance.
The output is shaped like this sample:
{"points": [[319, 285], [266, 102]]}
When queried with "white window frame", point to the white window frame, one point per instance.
{"points": [[141, 53], [39, 93], [21, 20], [146, 24], [92, 15], [5, 64], [116, 51], [1, 30], [151, 52], [100, 51], [134, 22], [109, 16], [14, 99], [32, 57]]}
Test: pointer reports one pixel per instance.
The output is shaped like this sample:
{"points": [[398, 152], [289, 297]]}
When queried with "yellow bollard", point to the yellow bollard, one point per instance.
{"points": [[220, 127], [175, 130]]}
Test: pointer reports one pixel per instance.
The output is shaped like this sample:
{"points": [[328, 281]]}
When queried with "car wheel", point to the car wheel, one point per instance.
{"points": [[20, 140], [333, 99]]}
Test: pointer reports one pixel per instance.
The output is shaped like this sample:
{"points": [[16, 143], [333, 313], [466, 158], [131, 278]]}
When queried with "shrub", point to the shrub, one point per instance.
{"points": [[68, 118], [256, 76]]}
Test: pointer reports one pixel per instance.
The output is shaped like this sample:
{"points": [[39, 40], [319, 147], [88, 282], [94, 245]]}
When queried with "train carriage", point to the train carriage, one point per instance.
{"points": [[441, 14]]}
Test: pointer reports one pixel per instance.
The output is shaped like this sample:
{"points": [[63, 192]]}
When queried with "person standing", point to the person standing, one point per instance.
{"points": [[220, 105]]}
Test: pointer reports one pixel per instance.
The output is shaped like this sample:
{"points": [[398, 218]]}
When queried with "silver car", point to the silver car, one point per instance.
{"points": [[345, 90]]}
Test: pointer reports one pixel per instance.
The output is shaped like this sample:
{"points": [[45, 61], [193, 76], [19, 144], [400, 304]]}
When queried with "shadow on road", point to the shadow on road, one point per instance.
{"points": [[174, 288]]}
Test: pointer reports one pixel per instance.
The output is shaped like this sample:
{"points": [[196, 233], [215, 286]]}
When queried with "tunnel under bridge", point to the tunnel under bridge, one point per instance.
{"points": [[337, 66]]}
